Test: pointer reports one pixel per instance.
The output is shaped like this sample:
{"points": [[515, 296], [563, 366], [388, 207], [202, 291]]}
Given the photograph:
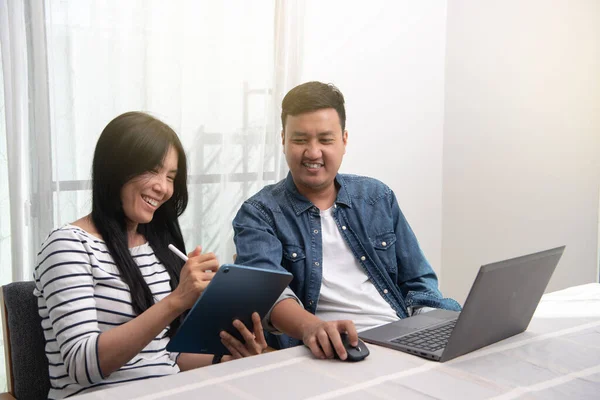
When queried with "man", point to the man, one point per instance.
{"points": [[355, 260]]}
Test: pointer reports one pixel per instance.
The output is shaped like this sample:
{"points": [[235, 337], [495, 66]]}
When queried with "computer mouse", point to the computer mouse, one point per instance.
{"points": [[357, 353]]}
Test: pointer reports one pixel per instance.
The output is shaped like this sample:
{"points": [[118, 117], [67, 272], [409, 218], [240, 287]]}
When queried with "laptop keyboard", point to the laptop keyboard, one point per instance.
{"points": [[431, 339]]}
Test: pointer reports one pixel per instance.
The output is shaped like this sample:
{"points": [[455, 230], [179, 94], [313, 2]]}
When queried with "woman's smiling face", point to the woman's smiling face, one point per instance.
{"points": [[142, 195]]}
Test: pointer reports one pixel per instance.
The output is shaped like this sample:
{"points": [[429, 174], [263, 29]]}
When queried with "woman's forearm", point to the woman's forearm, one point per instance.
{"points": [[120, 344]]}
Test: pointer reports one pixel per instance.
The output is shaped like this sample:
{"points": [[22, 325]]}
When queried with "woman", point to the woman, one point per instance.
{"points": [[110, 293]]}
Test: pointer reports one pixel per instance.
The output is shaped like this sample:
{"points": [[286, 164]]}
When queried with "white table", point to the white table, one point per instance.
{"points": [[558, 357]]}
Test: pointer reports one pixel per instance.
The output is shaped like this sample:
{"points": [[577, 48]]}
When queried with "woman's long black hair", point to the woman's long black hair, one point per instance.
{"points": [[132, 144]]}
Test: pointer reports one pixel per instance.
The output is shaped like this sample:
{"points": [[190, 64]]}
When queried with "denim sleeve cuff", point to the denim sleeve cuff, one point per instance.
{"points": [[286, 294], [431, 299]]}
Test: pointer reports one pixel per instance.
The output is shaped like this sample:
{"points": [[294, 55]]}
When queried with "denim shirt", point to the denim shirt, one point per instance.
{"points": [[278, 228]]}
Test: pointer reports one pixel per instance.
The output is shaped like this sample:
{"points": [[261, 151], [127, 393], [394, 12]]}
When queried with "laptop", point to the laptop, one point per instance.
{"points": [[235, 292], [500, 304]]}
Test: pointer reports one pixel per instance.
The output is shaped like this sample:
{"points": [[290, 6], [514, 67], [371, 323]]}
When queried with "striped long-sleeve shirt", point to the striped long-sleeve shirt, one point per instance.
{"points": [[80, 295]]}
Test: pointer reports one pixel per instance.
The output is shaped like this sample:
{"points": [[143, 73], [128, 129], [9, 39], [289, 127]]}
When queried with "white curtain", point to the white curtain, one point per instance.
{"points": [[25, 135], [215, 71]]}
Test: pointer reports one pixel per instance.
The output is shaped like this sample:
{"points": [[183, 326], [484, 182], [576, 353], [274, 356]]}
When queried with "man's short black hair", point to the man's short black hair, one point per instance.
{"points": [[313, 96]]}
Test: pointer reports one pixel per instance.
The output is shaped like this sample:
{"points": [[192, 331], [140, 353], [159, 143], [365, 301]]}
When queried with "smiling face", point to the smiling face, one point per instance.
{"points": [[142, 195], [314, 145]]}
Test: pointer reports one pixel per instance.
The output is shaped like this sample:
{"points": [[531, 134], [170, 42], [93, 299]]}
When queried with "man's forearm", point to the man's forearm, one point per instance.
{"points": [[290, 318]]}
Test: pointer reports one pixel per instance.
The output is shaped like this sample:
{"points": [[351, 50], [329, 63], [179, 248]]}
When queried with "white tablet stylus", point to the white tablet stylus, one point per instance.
{"points": [[177, 252]]}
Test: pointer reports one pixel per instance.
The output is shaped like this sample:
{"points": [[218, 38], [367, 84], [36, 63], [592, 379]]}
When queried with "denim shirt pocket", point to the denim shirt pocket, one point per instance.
{"points": [[430, 299], [293, 253], [293, 260], [384, 245]]}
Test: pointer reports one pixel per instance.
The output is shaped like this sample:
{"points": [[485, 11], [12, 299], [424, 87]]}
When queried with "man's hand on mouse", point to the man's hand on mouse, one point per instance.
{"points": [[323, 338]]}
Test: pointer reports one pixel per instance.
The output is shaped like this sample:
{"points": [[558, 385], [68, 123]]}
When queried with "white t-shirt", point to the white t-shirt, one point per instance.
{"points": [[346, 291]]}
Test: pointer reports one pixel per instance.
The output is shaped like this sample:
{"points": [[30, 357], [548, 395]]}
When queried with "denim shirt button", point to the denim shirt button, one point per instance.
{"points": [[317, 263], [363, 258], [344, 227], [385, 291], [316, 231], [310, 303], [294, 255], [383, 244]]}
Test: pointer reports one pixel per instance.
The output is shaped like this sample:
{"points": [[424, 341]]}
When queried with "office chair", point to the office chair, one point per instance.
{"points": [[26, 362]]}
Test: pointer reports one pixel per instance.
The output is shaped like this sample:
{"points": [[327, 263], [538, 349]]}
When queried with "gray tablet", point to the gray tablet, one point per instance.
{"points": [[235, 292]]}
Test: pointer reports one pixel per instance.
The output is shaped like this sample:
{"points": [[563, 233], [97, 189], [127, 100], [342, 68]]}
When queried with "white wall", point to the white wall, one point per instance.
{"points": [[521, 137], [387, 57]]}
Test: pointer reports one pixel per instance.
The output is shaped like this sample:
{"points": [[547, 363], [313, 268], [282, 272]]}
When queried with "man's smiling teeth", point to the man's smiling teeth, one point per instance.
{"points": [[311, 165], [152, 202]]}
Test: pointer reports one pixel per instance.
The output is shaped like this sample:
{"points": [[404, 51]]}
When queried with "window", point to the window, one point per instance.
{"points": [[205, 68]]}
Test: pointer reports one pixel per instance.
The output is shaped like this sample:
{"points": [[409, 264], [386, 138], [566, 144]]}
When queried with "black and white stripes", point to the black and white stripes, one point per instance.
{"points": [[81, 295]]}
